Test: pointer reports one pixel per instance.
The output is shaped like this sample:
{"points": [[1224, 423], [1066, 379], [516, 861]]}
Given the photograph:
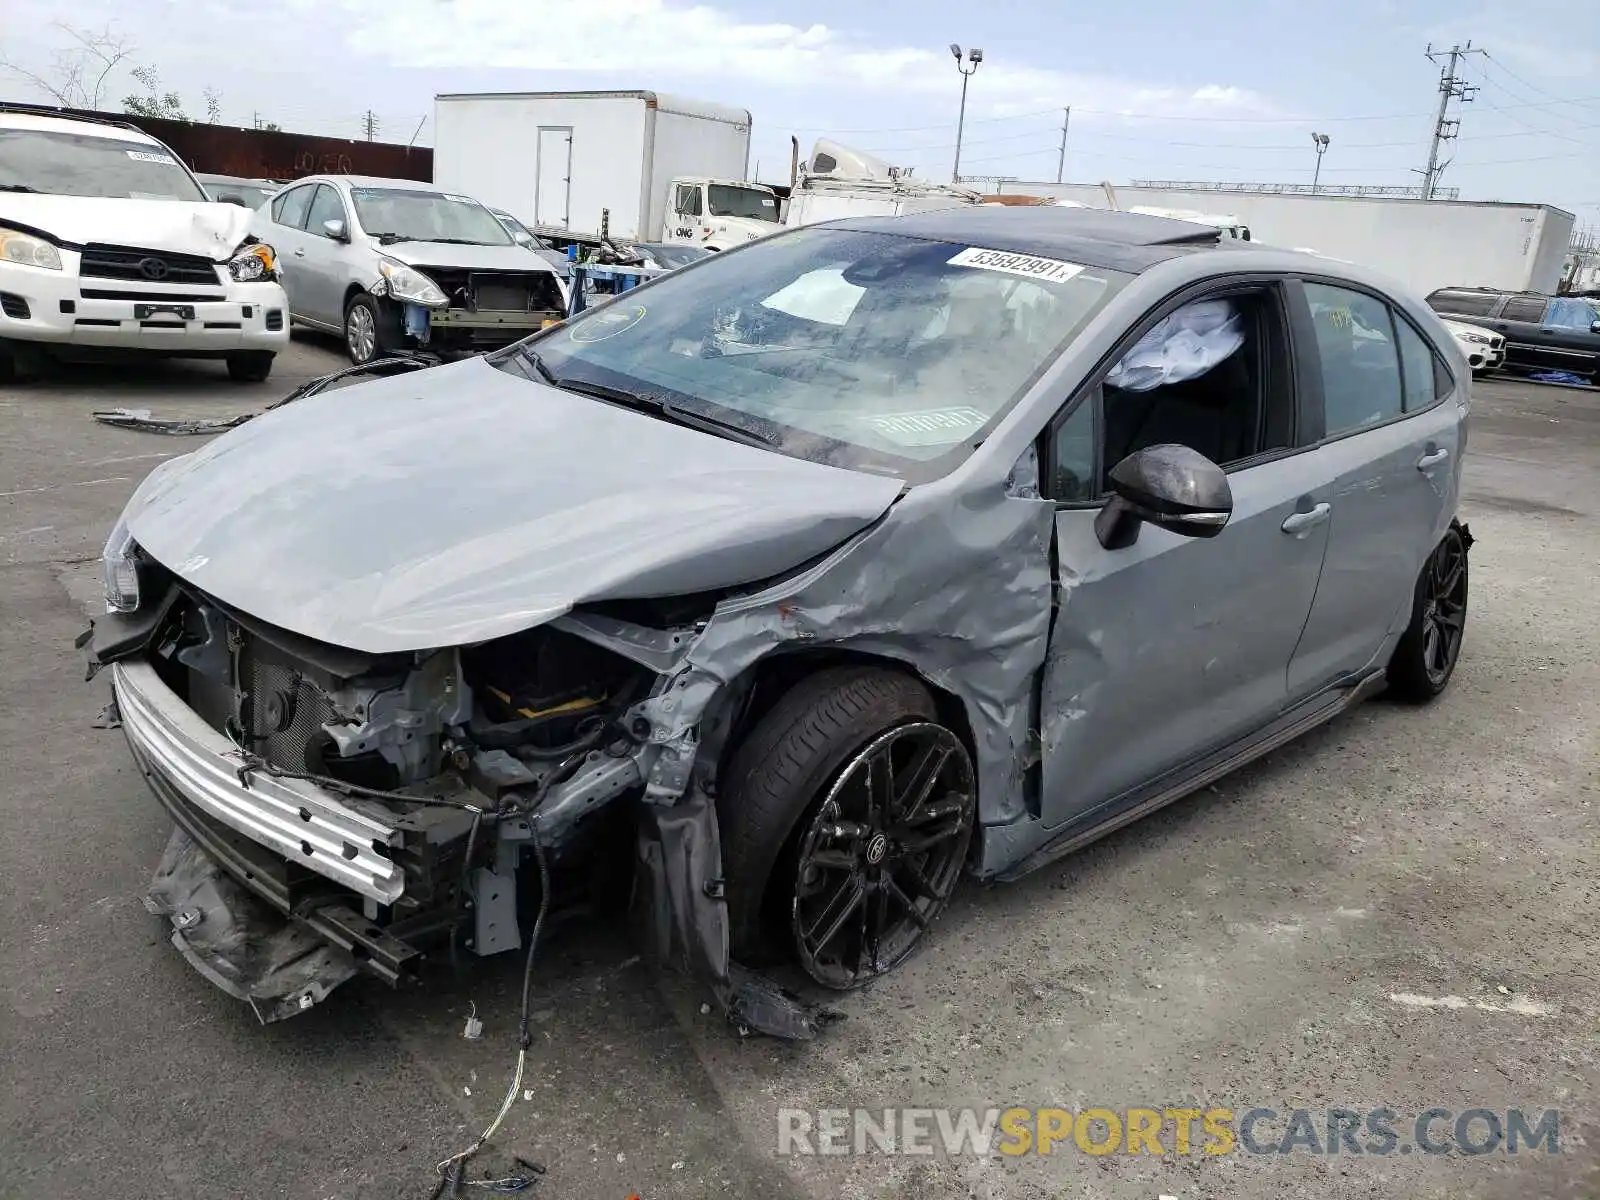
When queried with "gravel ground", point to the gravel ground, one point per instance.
{"points": [[1242, 949]]}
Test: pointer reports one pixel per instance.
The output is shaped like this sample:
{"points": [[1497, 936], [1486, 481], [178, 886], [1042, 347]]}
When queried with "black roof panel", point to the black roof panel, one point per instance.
{"points": [[1096, 237]]}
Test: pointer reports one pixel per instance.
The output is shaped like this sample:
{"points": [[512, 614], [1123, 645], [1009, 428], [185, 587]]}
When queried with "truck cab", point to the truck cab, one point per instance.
{"points": [[719, 213]]}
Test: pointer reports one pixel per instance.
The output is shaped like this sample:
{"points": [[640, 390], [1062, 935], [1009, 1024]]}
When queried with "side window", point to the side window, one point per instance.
{"points": [[1360, 365], [1523, 308], [1073, 478], [326, 207], [688, 200], [1571, 313], [1417, 367], [290, 208], [1212, 375]]}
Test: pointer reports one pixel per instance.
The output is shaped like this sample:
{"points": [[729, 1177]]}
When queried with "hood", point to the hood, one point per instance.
{"points": [[466, 258], [1460, 327], [208, 228], [461, 503]]}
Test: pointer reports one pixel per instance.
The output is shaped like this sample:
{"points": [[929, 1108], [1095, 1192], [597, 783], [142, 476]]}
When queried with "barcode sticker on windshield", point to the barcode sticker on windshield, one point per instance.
{"points": [[1027, 265], [150, 156]]}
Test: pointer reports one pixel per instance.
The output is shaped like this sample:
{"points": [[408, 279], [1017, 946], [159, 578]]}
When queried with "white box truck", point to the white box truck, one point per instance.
{"points": [[556, 160]]}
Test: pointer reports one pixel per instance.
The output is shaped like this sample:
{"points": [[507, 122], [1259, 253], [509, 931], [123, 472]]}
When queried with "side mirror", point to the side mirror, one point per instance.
{"points": [[336, 230], [1595, 328], [1172, 487], [232, 198]]}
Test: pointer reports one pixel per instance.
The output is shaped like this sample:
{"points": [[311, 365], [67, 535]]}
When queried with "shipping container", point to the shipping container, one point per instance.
{"points": [[1425, 244], [557, 159]]}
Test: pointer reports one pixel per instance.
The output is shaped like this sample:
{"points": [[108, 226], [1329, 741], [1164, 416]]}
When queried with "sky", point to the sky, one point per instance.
{"points": [[1159, 89]]}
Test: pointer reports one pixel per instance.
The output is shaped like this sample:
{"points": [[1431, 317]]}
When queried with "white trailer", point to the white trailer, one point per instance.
{"points": [[557, 159], [1425, 244]]}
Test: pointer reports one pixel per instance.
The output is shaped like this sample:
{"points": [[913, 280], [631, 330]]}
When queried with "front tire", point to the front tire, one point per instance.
{"points": [[369, 332], [1426, 655], [845, 821], [250, 366]]}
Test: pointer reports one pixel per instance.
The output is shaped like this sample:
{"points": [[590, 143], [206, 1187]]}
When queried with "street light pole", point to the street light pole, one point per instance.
{"points": [[974, 57], [1319, 142]]}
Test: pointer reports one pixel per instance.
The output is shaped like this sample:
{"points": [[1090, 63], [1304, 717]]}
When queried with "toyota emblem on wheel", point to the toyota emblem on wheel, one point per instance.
{"points": [[153, 268], [876, 849]]}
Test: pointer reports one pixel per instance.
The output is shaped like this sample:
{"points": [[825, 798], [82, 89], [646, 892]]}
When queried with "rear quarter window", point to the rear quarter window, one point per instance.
{"points": [[1523, 308]]}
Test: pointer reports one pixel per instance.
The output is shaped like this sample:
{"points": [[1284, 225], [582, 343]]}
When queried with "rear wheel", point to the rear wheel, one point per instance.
{"points": [[250, 366], [1426, 655], [845, 824]]}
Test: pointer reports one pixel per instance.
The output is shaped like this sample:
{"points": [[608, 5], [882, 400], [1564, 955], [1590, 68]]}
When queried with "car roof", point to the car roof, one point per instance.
{"points": [[45, 121], [377, 181], [1094, 237]]}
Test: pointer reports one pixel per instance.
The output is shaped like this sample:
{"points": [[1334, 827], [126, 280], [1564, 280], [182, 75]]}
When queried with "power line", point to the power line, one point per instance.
{"points": [[1138, 116]]}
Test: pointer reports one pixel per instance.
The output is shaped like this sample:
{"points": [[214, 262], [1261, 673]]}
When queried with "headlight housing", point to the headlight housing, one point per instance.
{"points": [[255, 263], [29, 251], [410, 285], [120, 564], [1481, 339]]}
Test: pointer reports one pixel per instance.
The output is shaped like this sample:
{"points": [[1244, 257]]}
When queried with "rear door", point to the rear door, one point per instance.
{"points": [[1391, 441], [552, 190], [1520, 318], [288, 236]]}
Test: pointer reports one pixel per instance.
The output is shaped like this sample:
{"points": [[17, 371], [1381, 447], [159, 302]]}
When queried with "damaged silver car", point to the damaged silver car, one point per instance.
{"points": [[779, 593], [394, 265]]}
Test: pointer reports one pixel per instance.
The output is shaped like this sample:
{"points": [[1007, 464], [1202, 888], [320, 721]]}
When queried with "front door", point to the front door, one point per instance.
{"points": [[327, 261], [1519, 319], [1568, 337], [1392, 446], [1174, 647], [552, 192]]}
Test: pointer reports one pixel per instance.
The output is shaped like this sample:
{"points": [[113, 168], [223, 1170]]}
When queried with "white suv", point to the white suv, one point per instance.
{"points": [[109, 246]]}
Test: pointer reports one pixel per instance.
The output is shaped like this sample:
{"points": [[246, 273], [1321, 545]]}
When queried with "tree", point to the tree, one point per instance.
{"points": [[77, 75], [213, 105], [154, 103]]}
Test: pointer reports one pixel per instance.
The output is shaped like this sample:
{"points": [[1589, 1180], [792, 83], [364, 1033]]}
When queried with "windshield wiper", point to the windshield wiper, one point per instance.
{"points": [[18, 187], [645, 404]]}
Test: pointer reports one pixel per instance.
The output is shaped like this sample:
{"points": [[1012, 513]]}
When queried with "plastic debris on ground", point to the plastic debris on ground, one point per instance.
{"points": [[1566, 378]]}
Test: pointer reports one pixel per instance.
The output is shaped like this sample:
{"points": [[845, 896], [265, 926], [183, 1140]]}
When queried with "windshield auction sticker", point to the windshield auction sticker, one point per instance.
{"points": [[1029, 266], [607, 324], [150, 156], [928, 427]]}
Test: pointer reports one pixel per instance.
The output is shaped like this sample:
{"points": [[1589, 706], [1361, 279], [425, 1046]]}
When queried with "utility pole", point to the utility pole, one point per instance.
{"points": [[1451, 87], [370, 124], [1061, 159], [1319, 141]]}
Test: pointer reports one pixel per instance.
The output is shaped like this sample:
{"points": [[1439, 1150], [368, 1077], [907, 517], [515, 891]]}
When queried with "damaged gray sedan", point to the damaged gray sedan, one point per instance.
{"points": [[777, 594]]}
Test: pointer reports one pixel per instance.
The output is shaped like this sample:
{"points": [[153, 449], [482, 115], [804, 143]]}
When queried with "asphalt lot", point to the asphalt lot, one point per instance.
{"points": [[1241, 949]]}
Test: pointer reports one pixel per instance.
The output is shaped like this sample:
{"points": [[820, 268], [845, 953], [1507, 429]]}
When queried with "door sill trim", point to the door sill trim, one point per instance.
{"points": [[1143, 801]]}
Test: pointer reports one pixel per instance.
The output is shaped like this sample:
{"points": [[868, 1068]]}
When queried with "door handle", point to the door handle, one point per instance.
{"points": [[1432, 459], [299, 253], [1304, 522]]}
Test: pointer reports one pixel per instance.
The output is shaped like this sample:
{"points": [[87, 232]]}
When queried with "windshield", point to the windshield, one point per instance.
{"points": [[418, 216], [729, 201], [513, 226], [76, 164], [865, 350], [250, 193]]}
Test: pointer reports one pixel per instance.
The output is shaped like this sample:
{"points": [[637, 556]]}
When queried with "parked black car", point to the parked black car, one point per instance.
{"points": [[1543, 333]]}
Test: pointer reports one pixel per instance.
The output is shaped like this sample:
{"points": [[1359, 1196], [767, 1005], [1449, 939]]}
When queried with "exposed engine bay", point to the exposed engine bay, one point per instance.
{"points": [[460, 758]]}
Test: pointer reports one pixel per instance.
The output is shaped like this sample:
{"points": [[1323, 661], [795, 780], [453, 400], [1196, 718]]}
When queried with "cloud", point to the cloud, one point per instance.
{"points": [[646, 37]]}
